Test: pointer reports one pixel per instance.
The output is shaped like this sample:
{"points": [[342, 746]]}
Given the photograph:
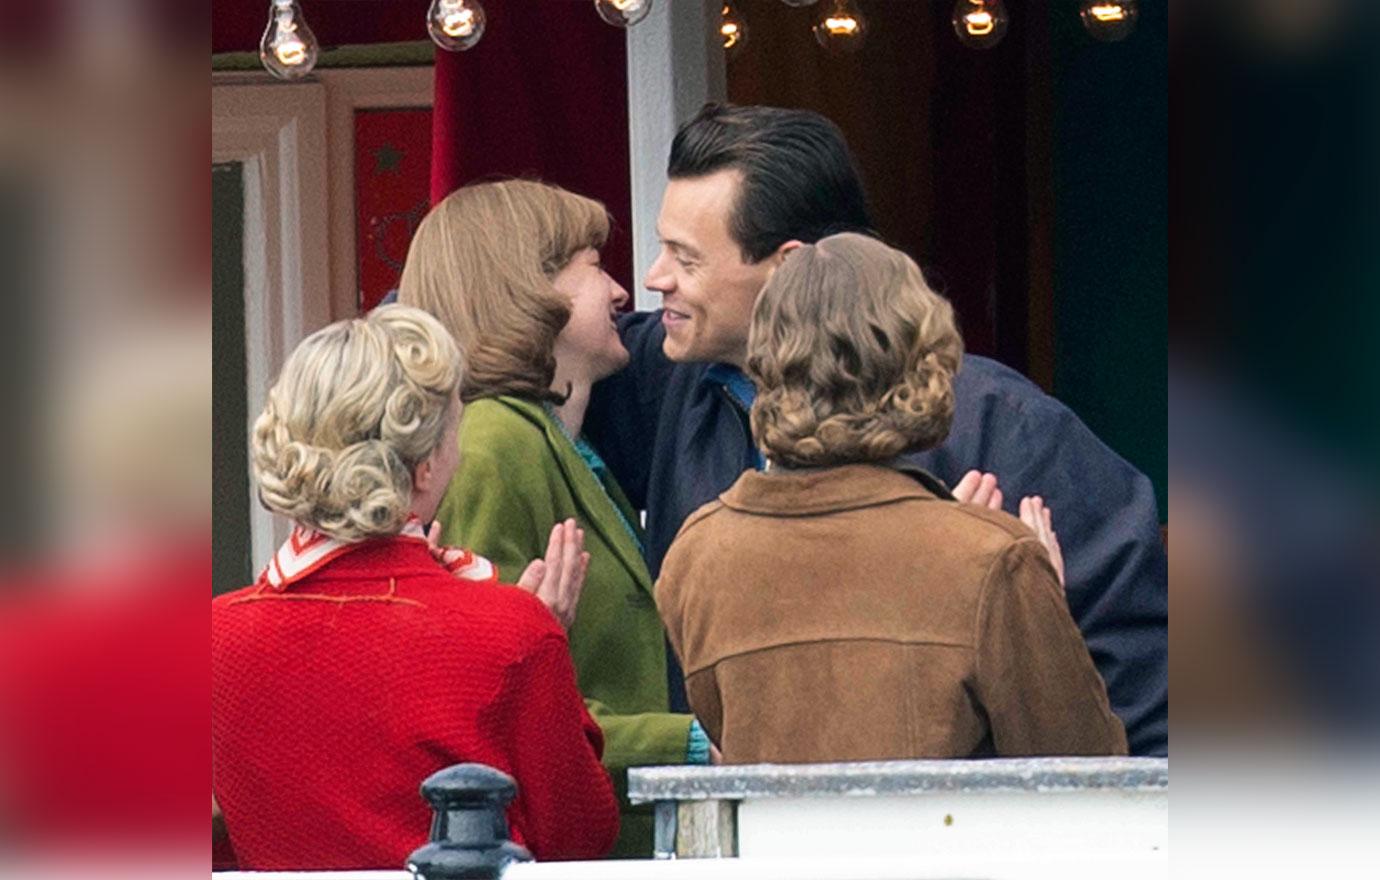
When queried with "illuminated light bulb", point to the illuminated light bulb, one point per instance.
{"points": [[842, 28], [1109, 20], [980, 24], [288, 48], [455, 25], [733, 30], [623, 13]]}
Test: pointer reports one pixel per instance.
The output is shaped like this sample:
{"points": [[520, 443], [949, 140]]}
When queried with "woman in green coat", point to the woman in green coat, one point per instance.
{"points": [[512, 269]]}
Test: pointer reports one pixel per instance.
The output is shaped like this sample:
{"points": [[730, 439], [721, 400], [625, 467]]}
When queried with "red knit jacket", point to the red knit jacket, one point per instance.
{"points": [[333, 700]]}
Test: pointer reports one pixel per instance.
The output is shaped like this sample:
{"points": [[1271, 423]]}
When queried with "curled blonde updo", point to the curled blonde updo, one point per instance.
{"points": [[357, 406], [853, 356]]}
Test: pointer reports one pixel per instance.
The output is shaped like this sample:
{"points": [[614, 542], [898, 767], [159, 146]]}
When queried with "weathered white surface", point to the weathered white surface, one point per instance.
{"points": [[1027, 819], [962, 825], [799, 868], [876, 778], [968, 809], [853, 868]]}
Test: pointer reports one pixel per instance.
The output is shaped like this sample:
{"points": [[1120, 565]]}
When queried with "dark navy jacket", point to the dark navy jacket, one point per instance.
{"points": [[675, 439]]}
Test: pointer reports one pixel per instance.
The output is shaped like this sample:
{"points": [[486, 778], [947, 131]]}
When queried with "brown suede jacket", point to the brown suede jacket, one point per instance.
{"points": [[851, 613]]}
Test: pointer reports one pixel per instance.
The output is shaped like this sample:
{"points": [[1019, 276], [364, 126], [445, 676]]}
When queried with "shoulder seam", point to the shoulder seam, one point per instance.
{"points": [[706, 510]]}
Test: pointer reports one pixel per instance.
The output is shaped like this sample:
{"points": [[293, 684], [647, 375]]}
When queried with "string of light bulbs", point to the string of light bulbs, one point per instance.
{"points": [[840, 26], [289, 49]]}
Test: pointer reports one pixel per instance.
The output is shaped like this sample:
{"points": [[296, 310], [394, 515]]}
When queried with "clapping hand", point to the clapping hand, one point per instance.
{"points": [[981, 489], [1035, 515], [558, 579]]}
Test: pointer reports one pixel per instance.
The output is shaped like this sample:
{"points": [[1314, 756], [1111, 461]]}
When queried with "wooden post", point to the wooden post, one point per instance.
{"points": [[707, 830]]}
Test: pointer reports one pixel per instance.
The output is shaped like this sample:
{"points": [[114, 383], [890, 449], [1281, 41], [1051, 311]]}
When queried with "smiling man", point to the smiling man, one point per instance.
{"points": [[706, 299], [747, 184]]}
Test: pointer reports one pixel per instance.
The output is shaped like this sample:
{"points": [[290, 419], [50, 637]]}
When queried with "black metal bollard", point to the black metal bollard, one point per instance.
{"points": [[469, 833]]}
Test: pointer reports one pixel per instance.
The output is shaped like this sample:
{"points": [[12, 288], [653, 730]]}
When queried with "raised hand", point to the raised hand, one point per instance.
{"points": [[980, 489], [1035, 515], [558, 579]]}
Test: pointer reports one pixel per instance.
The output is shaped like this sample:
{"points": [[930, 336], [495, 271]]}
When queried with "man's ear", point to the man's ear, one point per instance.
{"points": [[778, 256], [785, 248]]}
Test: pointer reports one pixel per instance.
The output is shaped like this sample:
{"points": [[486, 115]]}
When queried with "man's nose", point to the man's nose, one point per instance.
{"points": [[659, 275]]}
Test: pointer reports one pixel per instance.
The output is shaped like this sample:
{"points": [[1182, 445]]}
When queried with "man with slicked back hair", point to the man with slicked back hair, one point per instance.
{"points": [[749, 184]]}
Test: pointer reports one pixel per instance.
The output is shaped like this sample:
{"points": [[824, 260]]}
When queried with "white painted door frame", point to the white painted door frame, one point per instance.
{"points": [[295, 142], [278, 135], [675, 64]]}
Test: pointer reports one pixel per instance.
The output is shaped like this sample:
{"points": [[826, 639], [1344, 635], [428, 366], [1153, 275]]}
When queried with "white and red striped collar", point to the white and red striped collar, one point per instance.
{"points": [[307, 550]]}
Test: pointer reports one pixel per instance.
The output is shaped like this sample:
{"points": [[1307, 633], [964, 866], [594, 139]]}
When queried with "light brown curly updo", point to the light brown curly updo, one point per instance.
{"points": [[358, 405], [853, 356]]}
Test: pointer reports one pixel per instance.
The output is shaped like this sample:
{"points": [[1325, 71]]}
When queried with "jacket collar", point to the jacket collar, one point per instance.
{"points": [[734, 381], [811, 491], [307, 551], [588, 492]]}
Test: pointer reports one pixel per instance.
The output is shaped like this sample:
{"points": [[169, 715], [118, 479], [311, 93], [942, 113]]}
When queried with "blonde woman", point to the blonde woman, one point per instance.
{"points": [[512, 268], [364, 659], [842, 606]]}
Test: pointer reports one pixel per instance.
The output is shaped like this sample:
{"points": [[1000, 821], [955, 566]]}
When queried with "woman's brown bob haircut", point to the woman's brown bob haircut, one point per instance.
{"points": [[853, 356], [482, 262]]}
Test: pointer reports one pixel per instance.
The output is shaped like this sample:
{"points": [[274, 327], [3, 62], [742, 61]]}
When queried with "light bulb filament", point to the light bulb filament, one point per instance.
{"points": [[288, 47], [837, 25], [458, 23], [291, 52], [979, 23], [1108, 12]]}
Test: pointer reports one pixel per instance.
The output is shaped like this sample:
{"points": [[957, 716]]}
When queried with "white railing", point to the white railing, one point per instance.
{"points": [[1047, 807], [800, 868], [1026, 819]]}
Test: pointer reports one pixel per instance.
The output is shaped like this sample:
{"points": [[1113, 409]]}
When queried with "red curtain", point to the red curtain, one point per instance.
{"points": [[543, 95]]}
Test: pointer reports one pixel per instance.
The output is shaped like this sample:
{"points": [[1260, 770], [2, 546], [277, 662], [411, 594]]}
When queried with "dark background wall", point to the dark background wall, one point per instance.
{"points": [[231, 562], [1111, 255], [1029, 180]]}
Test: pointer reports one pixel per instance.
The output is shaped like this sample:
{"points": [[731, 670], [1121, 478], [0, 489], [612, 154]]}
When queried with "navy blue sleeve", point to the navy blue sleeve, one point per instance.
{"points": [[1108, 526], [623, 409]]}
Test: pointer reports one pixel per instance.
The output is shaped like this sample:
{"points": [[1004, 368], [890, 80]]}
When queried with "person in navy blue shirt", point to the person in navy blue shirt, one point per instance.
{"points": [[748, 184]]}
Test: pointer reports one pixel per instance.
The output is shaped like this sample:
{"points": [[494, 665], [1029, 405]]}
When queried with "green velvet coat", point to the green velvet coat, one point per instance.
{"points": [[519, 475]]}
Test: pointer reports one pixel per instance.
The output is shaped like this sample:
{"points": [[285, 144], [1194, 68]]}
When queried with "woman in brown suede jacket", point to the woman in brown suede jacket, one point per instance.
{"points": [[841, 606]]}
